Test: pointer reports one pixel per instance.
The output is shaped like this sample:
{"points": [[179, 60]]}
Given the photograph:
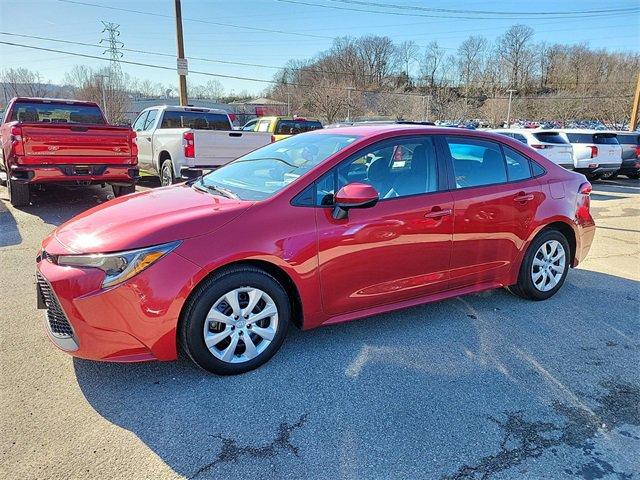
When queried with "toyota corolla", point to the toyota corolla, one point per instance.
{"points": [[321, 228]]}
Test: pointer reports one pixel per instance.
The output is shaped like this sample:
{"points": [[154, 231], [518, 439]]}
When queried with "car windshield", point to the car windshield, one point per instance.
{"points": [[267, 170]]}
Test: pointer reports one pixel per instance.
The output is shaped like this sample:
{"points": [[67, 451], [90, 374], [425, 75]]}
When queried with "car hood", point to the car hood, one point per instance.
{"points": [[143, 219]]}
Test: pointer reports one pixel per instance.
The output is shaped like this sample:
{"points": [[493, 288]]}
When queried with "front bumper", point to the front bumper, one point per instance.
{"points": [[133, 321], [72, 173]]}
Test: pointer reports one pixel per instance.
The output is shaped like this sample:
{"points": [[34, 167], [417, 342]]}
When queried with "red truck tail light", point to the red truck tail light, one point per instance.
{"points": [[594, 151], [541, 147], [17, 147], [189, 145], [133, 142], [638, 151]]}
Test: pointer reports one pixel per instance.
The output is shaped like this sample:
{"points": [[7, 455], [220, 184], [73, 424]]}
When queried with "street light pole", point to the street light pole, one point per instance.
{"points": [[511, 92]]}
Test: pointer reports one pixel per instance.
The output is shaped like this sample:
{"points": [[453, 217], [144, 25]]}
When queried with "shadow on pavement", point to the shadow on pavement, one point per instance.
{"points": [[9, 233], [480, 383]]}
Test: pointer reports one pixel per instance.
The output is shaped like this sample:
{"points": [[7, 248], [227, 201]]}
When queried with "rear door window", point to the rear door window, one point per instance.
{"points": [[517, 165], [476, 162]]}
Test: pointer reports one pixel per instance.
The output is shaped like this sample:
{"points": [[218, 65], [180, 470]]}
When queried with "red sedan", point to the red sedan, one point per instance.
{"points": [[320, 228]]}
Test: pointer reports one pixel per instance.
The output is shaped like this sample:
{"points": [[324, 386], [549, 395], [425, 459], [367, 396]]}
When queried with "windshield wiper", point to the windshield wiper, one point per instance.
{"points": [[221, 190], [268, 158]]}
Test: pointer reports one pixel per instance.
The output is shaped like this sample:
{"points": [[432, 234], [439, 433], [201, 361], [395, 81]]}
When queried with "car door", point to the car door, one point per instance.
{"points": [[145, 140], [495, 199], [400, 248]]}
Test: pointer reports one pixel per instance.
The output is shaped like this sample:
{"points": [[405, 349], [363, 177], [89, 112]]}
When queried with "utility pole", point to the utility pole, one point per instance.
{"points": [[426, 107], [288, 103], [182, 64], [635, 108], [349, 103], [511, 92]]}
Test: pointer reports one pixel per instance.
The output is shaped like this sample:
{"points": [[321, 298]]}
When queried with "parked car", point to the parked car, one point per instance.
{"points": [[630, 143], [595, 153], [281, 127], [47, 140], [304, 231], [178, 143], [552, 145]]}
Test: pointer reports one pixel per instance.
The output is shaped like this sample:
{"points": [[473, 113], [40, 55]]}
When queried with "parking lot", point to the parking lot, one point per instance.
{"points": [[482, 386]]}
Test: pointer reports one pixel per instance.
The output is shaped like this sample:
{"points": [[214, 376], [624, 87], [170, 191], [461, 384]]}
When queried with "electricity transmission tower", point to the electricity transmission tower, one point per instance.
{"points": [[114, 46]]}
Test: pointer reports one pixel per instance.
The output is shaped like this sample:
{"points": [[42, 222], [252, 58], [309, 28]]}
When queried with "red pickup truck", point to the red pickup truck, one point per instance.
{"points": [[64, 141]]}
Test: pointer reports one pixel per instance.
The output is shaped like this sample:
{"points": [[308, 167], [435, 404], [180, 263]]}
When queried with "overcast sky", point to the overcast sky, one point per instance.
{"points": [[305, 30]]}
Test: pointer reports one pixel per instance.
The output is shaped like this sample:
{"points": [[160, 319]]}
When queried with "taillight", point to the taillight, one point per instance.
{"points": [[17, 147], [583, 202], [638, 151], [541, 147], [594, 151], [133, 144], [189, 145]]}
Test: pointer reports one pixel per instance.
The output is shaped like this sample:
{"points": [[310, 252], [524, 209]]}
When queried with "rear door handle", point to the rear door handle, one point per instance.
{"points": [[438, 212], [523, 197]]}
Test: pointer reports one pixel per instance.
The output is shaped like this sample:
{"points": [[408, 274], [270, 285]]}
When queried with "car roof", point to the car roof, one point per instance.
{"points": [[579, 130], [180, 108], [403, 129]]}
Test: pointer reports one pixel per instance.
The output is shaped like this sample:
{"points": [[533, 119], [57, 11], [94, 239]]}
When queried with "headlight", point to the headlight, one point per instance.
{"points": [[120, 266]]}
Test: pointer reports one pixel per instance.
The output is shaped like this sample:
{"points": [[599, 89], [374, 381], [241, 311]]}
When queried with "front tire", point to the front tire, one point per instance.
{"points": [[235, 321], [19, 193], [544, 267], [166, 173]]}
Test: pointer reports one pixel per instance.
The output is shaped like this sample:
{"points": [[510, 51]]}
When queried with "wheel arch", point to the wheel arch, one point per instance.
{"points": [[567, 230], [162, 156], [272, 269]]}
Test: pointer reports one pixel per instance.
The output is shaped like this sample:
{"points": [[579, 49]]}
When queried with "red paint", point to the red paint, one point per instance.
{"points": [[38, 152], [401, 252]]}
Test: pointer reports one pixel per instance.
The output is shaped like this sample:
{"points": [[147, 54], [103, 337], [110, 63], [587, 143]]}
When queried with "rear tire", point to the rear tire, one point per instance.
{"points": [[552, 255], [19, 193], [222, 338], [120, 190], [167, 176], [633, 176], [613, 176]]}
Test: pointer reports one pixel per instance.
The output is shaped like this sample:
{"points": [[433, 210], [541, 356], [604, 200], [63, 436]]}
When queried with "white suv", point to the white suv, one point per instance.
{"points": [[550, 144], [595, 153]]}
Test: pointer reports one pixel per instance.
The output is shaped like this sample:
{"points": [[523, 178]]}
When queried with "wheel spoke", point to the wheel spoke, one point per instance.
{"points": [[538, 262], [229, 352], [249, 347], [559, 254], [213, 339], [268, 311], [254, 297], [266, 333], [216, 315], [536, 276], [232, 300]]}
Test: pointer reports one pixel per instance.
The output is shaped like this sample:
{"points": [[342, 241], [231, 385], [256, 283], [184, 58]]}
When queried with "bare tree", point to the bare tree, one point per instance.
{"points": [[23, 82], [212, 90], [431, 63], [406, 54], [515, 51]]}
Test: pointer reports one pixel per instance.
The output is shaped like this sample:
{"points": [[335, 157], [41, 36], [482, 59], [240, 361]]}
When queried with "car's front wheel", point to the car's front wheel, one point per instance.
{"points": [[235, 321], [544, 267]]}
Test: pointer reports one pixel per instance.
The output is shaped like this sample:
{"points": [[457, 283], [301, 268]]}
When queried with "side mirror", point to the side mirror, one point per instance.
{"points": [[354, 195]]}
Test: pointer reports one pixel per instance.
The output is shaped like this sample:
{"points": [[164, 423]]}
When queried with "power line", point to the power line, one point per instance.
{"points": [[246, 64], [484, 12], [514, 15], [235, 77], [198, 20]]}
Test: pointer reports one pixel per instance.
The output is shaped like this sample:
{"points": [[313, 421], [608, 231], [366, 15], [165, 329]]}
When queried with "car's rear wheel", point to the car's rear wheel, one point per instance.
{"points": [[544, 267], [120, 190], [166, 173], [634, 176], [19, 193], [235, 321]]}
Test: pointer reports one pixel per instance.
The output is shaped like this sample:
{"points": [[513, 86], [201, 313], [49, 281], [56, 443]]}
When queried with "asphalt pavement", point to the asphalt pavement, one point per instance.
{"points": [[481, 386]]}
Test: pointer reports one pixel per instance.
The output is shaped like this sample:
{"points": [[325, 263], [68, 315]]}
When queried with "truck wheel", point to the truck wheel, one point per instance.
{"points": [[19, 193], [166, 174], [634, 176], [120, 190]]}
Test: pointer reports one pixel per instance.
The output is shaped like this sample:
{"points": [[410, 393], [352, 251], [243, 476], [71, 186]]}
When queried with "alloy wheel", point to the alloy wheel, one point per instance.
{"points": [[240, 325], [548, 265]]}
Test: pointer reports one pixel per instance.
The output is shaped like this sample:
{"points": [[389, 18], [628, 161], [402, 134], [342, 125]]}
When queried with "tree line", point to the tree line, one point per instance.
{"points": [[374, 76]]}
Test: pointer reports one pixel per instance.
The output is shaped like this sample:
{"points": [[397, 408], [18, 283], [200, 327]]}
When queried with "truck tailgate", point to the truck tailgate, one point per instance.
{"points": [[217, 147], [61, 143]]}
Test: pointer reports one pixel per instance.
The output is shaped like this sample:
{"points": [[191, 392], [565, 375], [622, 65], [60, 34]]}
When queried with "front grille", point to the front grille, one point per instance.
{"points": [[58, 323]]}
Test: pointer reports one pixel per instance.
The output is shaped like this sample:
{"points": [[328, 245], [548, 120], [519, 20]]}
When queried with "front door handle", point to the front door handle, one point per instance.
{"points": [[523, 197], [437, 212]]}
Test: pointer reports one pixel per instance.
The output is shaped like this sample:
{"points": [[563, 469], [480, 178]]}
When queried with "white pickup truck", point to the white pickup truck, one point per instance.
{"points": [[178, 143]]}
